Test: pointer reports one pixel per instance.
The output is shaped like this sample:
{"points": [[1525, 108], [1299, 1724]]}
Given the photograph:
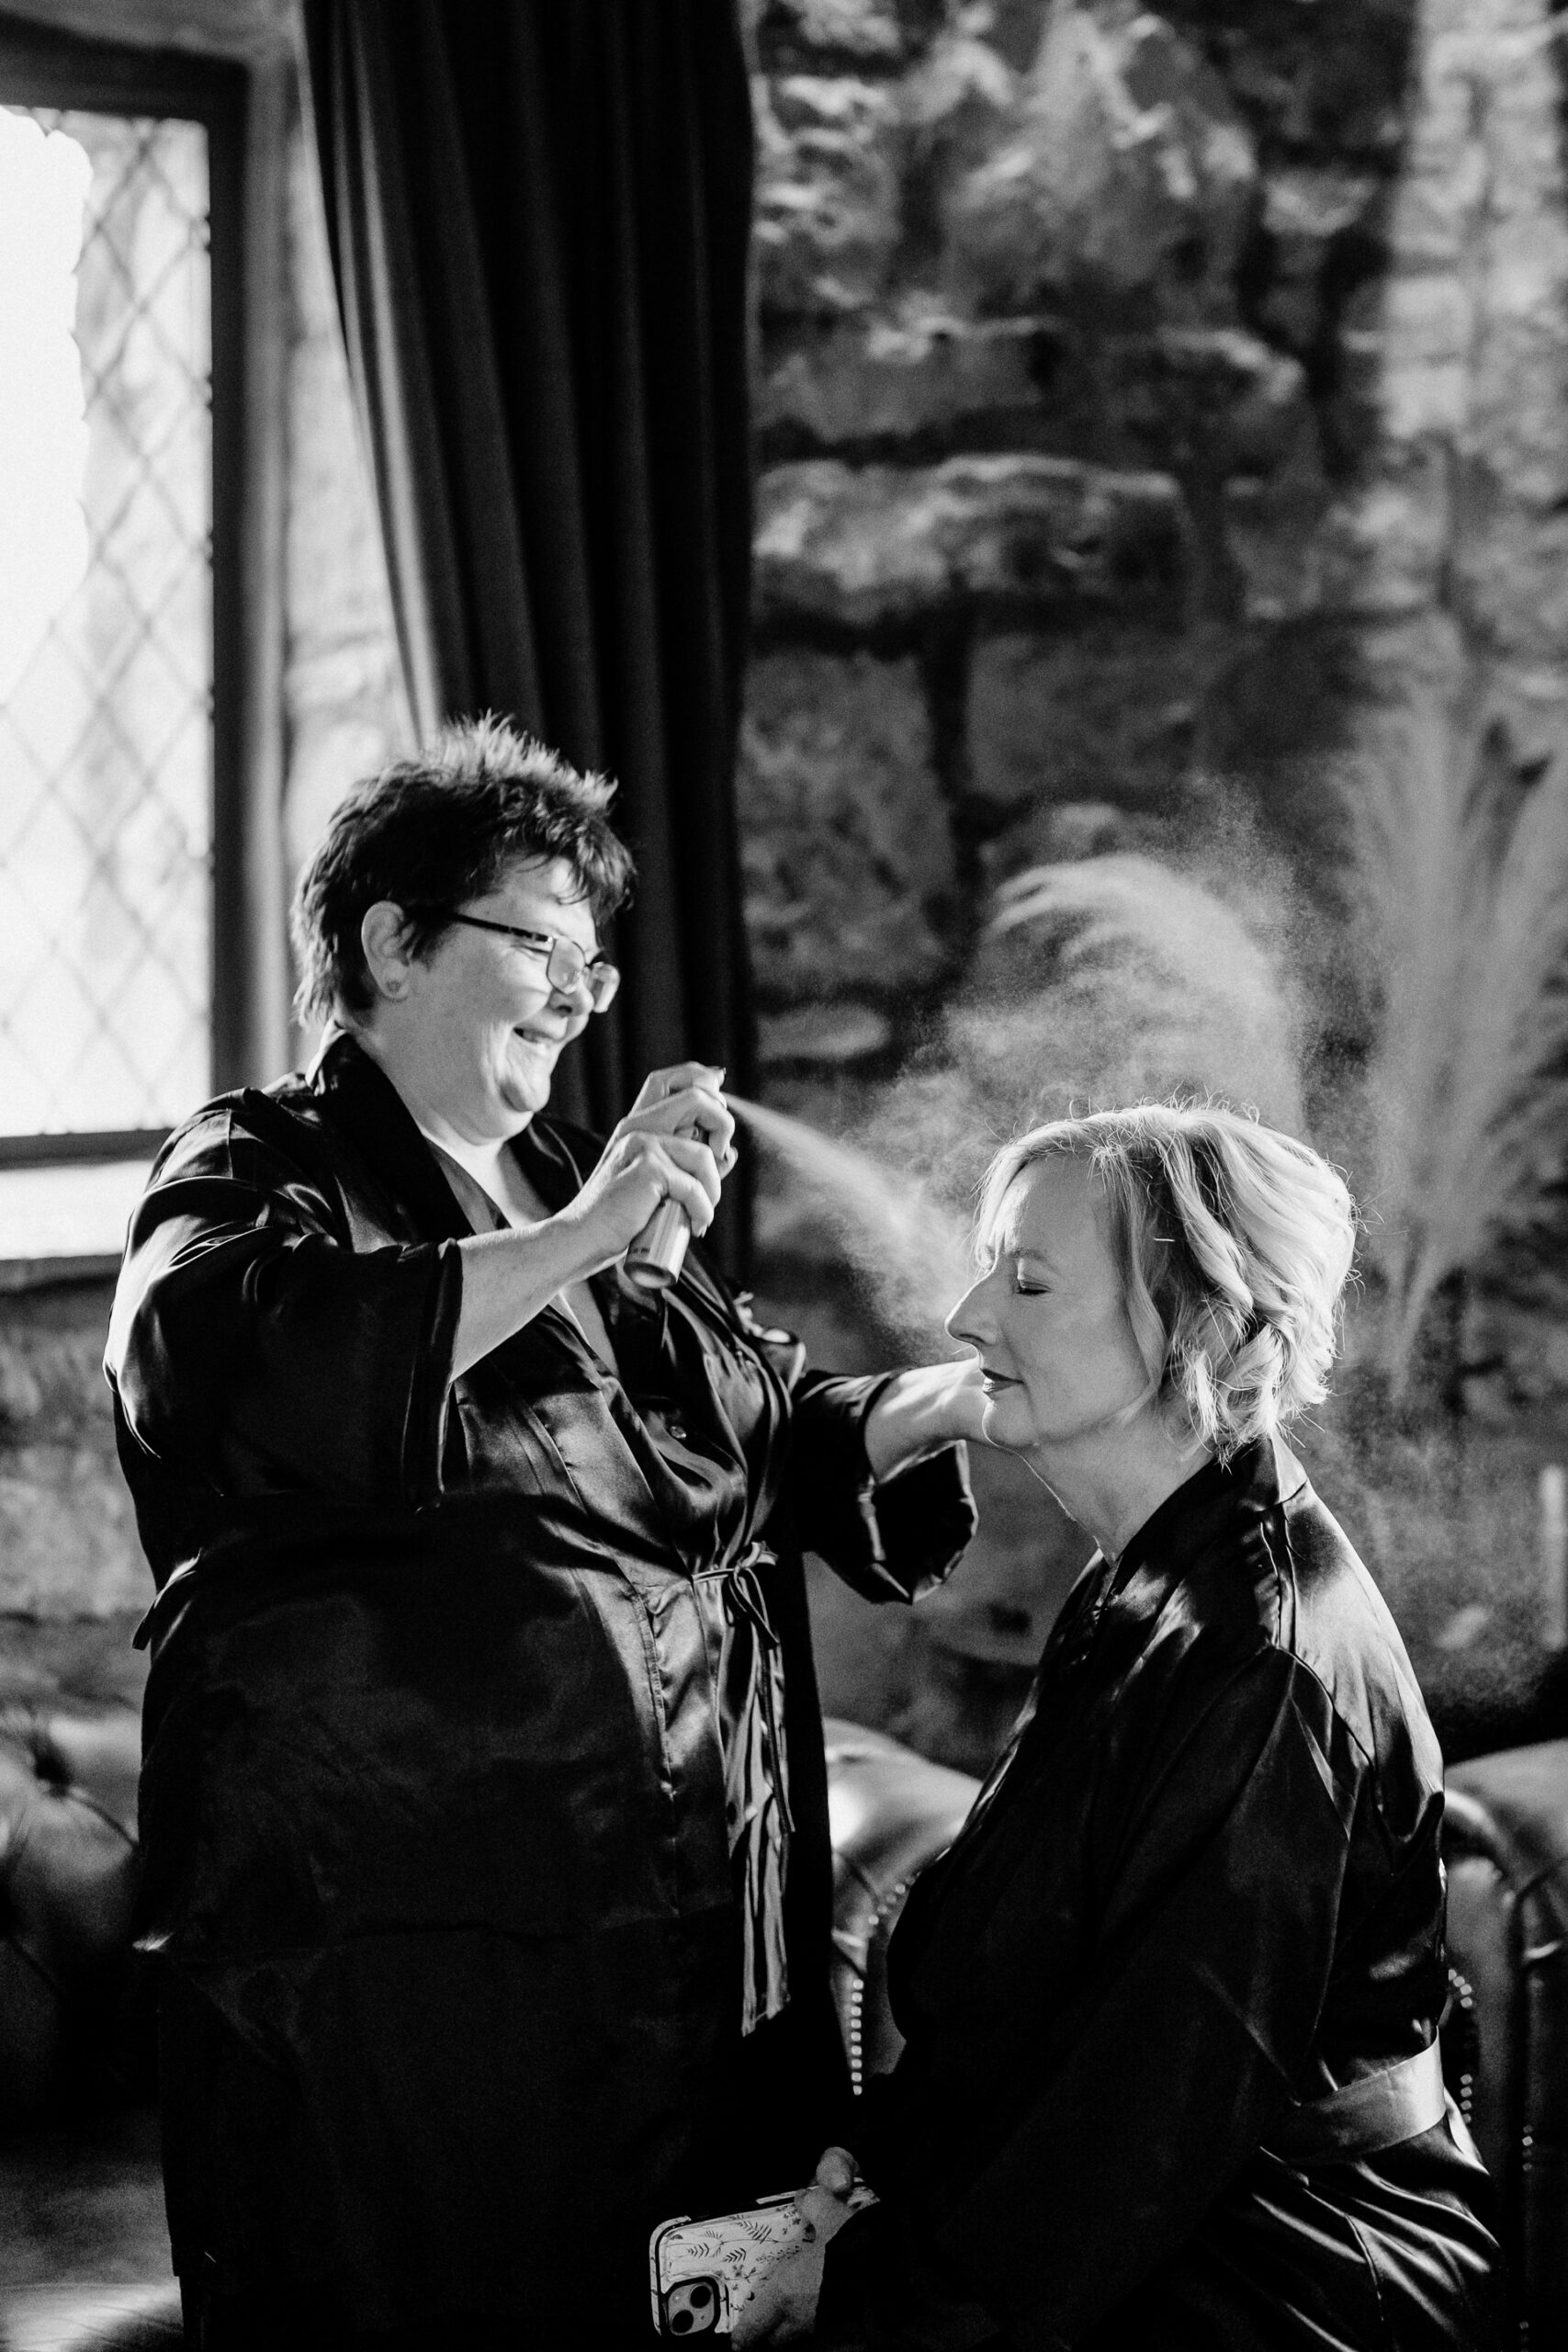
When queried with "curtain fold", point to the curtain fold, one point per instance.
{"points": [[539, 217]]}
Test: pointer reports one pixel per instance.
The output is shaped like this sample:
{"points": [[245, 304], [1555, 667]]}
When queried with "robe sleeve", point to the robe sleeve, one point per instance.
{"points": [[891, 1540], [1205, 1981], [254, 1350]]}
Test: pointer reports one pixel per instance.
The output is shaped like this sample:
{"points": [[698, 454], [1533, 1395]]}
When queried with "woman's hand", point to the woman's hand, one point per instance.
{"points": [[675, 1143], [783, 2308], [508, 1277], [924, 1408]]}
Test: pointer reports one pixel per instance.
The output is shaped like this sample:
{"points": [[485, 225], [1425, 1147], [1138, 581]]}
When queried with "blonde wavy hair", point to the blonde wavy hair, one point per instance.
{"points": [[1234, 1243]]}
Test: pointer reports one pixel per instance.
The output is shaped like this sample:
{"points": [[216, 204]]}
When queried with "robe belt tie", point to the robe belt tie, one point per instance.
{"points": [[1374, 2112], [756, 1790]]}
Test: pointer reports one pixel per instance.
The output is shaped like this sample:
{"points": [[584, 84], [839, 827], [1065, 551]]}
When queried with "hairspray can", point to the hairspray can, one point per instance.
{"points": [[657, 1256]]}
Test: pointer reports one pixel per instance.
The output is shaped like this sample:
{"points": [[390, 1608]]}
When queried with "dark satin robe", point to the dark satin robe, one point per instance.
{"points": [[1205, 1882], [435, 1795]]}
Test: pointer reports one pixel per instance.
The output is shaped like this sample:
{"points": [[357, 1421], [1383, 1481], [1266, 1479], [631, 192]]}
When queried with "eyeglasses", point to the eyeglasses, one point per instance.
{"points": [[567, 969]]}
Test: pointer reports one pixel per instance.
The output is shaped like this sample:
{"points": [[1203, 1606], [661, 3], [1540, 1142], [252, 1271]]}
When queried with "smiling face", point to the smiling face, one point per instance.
{"points": [[481, 1024], [1048, 1322]]}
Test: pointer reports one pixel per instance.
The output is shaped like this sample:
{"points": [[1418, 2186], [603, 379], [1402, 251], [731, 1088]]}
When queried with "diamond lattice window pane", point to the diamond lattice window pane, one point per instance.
{"points": [[106, 682]]}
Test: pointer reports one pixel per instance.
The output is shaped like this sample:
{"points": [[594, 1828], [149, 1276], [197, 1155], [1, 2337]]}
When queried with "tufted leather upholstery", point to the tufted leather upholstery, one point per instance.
{"points": [[1507, 1848], [1504, 2035], [890, 1812], [67, 1881], [67, 1874], [94, 2319]]}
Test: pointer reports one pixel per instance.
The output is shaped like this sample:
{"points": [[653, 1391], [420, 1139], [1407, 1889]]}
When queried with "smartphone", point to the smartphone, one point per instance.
{"points": [[703, 2269]]}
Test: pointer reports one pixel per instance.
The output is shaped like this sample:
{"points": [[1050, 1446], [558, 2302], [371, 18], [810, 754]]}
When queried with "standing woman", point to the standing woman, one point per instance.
{"points": [[1170, 2081], [483, 1803]]}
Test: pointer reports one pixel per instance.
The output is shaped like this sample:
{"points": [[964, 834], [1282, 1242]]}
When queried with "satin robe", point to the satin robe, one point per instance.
{"points": [[1203, 1885], [436, 1806]]}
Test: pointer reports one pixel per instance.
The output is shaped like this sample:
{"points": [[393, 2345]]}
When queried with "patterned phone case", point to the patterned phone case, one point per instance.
{"points": [[703, 2270]]}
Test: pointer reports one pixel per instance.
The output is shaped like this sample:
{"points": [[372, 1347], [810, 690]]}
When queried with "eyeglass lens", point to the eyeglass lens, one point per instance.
{"points": [[567, 969]]}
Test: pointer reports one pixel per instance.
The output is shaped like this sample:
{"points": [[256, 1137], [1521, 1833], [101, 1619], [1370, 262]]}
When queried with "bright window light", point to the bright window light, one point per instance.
{"points": [[105, 623], [44, 179]]}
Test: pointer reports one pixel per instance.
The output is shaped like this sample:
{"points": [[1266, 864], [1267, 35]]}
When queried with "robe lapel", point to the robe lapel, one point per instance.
{"points": [[366, 1109]]}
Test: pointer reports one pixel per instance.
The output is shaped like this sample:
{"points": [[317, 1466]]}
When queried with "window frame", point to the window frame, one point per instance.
{"points": [[41, 67]]}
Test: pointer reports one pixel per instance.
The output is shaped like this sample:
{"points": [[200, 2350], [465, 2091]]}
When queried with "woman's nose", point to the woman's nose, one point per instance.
{"points": [[969, 1323]]}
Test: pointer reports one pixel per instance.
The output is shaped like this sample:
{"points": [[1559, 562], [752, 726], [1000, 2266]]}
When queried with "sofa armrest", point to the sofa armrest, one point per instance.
{"points": [[1506, 1846], [891, 1812]]}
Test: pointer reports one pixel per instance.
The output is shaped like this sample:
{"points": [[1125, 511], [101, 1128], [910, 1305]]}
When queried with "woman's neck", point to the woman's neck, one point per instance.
{"points": [[1110, 1480], [484, 1156]]}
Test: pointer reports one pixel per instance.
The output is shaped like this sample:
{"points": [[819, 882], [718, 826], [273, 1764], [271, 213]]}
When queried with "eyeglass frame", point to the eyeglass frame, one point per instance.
{"points": [[600, 997]]}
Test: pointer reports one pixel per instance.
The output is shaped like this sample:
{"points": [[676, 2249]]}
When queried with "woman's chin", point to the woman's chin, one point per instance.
{"points": [[1006, 1423], [524, 1084]]}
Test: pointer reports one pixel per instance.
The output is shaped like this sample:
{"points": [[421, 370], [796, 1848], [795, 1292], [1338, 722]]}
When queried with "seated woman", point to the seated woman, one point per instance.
{"points": [[1171, 1998], [484, 1806]]}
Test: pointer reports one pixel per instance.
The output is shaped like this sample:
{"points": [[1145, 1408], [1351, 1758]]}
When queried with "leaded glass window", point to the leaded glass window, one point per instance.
{"points": [[106, 621]]}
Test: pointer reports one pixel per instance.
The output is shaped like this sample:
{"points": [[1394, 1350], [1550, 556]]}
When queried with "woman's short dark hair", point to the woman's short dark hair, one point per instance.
{"points": [[436, 831]]}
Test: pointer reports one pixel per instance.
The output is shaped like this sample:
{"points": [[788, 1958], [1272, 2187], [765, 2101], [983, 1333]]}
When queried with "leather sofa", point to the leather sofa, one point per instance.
{"points": [[75, 2028], [1504, 2033]]}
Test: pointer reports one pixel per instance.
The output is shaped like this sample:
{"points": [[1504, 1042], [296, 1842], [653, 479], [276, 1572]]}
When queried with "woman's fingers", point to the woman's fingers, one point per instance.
{"points": [[660, 1084], [636, 1172], [686, 1096], [825, 2213], [826, 2204], [668, 1168], [782, 2308], [694, 1159]]}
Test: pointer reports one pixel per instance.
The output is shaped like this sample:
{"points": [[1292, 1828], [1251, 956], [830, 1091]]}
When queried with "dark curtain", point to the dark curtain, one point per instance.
{"points": [[539, 213]]}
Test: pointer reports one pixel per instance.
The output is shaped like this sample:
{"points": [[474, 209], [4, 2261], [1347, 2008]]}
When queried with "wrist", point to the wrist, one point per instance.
{"points": [[578, 1240], [902, 1426]]}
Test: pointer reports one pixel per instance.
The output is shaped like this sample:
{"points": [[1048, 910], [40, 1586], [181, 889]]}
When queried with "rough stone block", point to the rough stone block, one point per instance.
{"points": [[959, 107], [845, 840], [1470, 482], [67, 1535], [68, 1544], [914, 379], [828, 194], [876, 544], [1245, 404], [1275, 534], [1101, 717], [1329, 81], [1312, 215], [867, 33], [1130, 171]]}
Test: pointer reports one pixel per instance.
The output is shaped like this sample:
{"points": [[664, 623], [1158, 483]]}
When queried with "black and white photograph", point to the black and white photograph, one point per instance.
{"points": [[783, 1175]]}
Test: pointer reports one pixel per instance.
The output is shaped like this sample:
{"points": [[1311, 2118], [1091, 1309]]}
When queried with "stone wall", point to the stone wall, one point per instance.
{"points": [[1148, 403], [1068, 348], [1138, 397], [73, 1581]]}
